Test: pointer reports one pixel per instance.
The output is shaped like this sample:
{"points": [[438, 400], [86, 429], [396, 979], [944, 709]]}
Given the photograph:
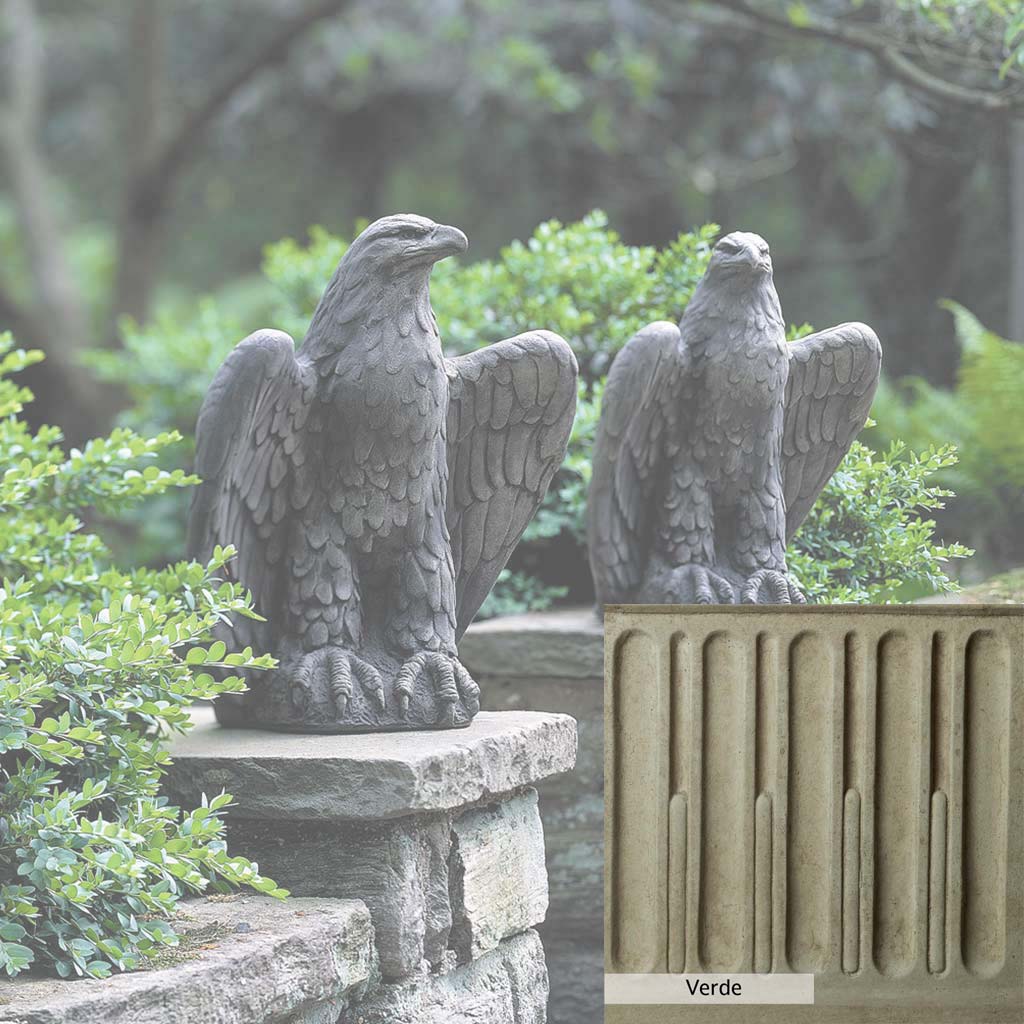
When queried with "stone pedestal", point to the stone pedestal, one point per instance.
{"points": [[438, 833], [553, 661]]}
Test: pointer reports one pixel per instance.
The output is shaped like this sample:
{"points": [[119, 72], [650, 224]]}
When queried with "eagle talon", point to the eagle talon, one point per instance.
{"points": [[699, 584], [338, 668], [451, 683], [780, 588]]}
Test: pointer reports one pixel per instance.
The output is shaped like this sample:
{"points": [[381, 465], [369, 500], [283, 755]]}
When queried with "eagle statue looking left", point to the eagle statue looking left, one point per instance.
{"points": [[373, 490]]}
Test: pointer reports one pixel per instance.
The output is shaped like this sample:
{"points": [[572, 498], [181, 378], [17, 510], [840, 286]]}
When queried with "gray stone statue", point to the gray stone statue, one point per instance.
{"points": [[374, 490], [715, 439]]}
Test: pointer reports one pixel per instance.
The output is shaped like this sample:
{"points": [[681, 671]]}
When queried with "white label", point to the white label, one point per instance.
{"points": [[672, 989]]}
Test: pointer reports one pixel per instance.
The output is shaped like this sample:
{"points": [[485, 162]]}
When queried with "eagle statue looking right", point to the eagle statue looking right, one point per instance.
{"points": [[374, 490], [715, 439]]}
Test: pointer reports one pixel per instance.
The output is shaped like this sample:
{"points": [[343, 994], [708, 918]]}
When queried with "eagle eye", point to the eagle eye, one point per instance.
{"points": [[409, 232], [729, 248]]}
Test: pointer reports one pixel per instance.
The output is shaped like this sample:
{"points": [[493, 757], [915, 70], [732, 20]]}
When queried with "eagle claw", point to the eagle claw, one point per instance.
{"points": [[340, 668], [692, 583], [450, 681], [781, 589]]}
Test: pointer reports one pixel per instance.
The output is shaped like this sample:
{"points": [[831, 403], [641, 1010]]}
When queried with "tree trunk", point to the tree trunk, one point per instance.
{"points": [[140, 230], [57, 321], [1016, 320]]}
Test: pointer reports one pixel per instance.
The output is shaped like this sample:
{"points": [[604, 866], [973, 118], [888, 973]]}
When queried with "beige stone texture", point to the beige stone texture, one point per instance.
{"points": [[831, 789]]}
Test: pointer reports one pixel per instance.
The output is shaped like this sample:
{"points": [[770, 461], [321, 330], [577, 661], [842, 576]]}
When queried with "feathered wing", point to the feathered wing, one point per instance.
{"points": [[510, 413], [832, 380], [249, 454], [627, 452]]}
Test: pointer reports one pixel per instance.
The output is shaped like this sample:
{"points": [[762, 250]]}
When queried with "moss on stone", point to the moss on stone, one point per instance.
{"points": [[192, 941]]}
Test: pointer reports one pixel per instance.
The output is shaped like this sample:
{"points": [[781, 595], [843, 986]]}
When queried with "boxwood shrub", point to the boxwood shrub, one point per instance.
{"points": [[97, 666]]}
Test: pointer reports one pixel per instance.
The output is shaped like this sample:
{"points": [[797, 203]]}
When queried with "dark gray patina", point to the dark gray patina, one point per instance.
{"points": [[715, 439], [374, 490]]}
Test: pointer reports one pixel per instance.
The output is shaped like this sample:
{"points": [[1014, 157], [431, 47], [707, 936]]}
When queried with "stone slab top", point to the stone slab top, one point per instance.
{"points": [[565, 643], [242, 960], [370, 776]]}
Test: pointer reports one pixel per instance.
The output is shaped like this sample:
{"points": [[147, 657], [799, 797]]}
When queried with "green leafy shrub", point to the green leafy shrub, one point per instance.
{"points": [[582, 281], [984, 417], [579, 280], [864, 541], [96, 666]]}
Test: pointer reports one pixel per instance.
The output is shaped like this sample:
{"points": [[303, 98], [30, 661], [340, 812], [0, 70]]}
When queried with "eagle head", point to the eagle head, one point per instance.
{"points": [[384, 275], [404, 243], [741, 252]]}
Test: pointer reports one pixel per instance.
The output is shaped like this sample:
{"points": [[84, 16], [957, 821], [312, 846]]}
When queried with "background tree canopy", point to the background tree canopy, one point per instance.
{"points": [[149, 151]]}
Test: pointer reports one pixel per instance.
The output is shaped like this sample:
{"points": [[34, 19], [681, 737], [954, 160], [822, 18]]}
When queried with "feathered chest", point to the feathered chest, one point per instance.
{"points": [[741, 363], [383, 406], [392, 386]]}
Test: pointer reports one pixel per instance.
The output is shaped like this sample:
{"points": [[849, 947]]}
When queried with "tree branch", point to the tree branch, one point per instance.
{"points": [[24, 74], [151, 188], [886, 51], [154, 168]]}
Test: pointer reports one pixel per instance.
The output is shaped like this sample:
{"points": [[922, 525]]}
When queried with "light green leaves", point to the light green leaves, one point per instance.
{"points": [[96, 664], [866, 541]]}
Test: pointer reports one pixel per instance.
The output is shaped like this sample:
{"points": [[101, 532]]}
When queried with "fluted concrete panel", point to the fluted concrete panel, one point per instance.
{"points": [[899, 793], [835, 790], [812, 807], [986, 776], [724, 933], [637, 865]]}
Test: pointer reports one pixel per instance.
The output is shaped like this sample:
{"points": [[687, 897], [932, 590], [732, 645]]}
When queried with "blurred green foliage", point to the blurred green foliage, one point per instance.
{"points": [[582, 281], [494, 115], [96, 666], [983, 415]]}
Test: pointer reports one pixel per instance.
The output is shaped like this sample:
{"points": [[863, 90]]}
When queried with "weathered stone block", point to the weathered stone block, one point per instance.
{"points": [[389, 844], [497, 875], [399, 870], [260, 961], [369, 777], [832, 790], [508, 985]]}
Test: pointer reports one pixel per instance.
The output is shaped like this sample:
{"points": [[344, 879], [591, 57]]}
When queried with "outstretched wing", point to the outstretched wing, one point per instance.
{"points": [[832, 379], [510, 413], [627, 450], [248, 452]]}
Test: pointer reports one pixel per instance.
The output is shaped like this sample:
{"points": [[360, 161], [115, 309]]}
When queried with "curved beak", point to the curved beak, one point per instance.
{"points": [[445, 240]]}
